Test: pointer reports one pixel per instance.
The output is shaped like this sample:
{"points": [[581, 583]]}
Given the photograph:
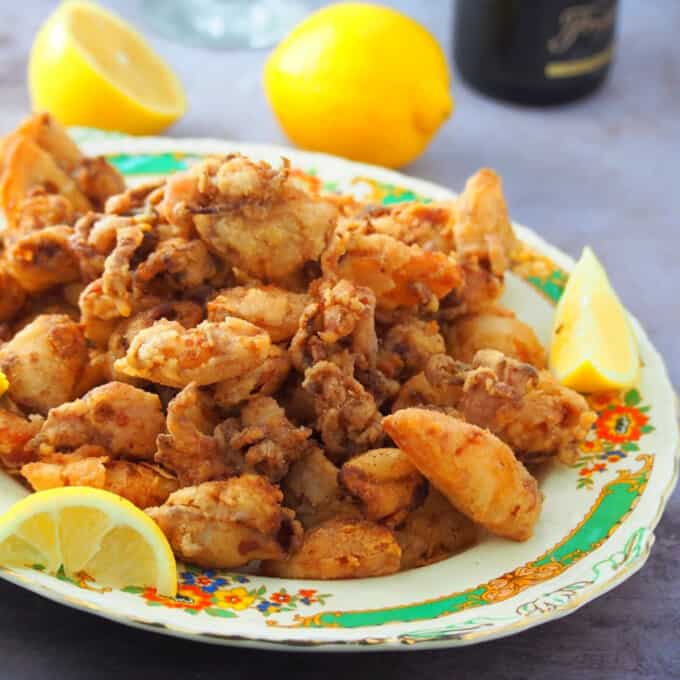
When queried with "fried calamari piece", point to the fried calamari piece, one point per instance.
{"points": [[259, 219], [190, 448], [93, 240], [94, 177], [12, 296], [42, 259], [475, 470], [175, 265], [44, 361], [117, 279], [228, 524], [407, 346], [338, 549], [526, 408], [98, 180], [28, 167], [142, 484], [189, 314], [312, 489], [142, 199], [41, 209], [484, 242], [400, 275], [493, 328], [386, 483], [273, 309], [433, 532], [347, 416], [15, 433], [339, 326], [100, 312], [262, 381], [43, 130], [436, 387], [169, 354], [119, 418], [268, 441], [482, 230], [428, 225]]}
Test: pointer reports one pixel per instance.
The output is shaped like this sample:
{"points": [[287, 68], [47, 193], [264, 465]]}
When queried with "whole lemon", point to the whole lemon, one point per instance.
{"points": [[361, 81]]}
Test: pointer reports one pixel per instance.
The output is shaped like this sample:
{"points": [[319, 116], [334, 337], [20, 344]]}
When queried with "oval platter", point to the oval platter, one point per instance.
{"points": [[597, 526]]}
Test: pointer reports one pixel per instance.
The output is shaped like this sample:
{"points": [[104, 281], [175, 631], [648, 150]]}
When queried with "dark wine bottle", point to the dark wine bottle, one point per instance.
{"points": [[535, 51]]}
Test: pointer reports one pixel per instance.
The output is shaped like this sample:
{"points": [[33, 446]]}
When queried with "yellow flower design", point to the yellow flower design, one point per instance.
{"points": [[236, 598]]}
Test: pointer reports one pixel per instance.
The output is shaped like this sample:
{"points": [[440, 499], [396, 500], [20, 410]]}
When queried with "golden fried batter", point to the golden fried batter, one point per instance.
{"points": [[348, 419], [400, 275], [407, 346], [269, 442], [228, 524], [475, 470], [312, 489], [433, 532], [142, 484], [257, 218], [493, 328], [15, 433], [44, 361], [526, 408], [386, 482], [264, 380], [339, 326], [169, 354], [341, 548], [13, 295], [190, 449], [119, 418], [273, 309], [42, 259]]}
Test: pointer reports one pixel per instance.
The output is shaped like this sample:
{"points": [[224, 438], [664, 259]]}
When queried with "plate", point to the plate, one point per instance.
{"points": [[597, 526]]}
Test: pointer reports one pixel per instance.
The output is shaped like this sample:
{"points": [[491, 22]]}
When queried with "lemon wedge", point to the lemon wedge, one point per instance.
{"points": [[88, 67], [91, 534], [4, 383], [593, 347]]}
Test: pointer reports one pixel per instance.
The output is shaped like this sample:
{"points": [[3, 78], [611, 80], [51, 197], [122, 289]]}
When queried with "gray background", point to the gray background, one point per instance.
{"points": [[603, 171]]}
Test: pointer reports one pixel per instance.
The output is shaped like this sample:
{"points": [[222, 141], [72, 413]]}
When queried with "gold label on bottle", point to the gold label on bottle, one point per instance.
{"points": [[581, 20], [582, 40], [578, 67]]}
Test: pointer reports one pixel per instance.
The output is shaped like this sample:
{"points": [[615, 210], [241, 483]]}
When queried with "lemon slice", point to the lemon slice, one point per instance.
{"points": [[593, 347], [88, 67], [89, 533]]}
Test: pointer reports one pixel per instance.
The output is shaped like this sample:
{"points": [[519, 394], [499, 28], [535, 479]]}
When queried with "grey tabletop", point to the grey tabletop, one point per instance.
{"points": [[602, 171]]}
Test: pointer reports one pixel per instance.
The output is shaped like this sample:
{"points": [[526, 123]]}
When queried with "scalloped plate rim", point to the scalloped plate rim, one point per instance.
{"points": [[107, 144]]}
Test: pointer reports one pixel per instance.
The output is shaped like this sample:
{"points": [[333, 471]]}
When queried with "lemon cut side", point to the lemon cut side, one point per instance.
{"points": [[90, 534], [593, 346], [88, 67]]}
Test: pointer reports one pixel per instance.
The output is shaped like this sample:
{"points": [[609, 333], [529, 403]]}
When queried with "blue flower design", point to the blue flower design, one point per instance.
{"points": [[265, 606], [205, 580]]}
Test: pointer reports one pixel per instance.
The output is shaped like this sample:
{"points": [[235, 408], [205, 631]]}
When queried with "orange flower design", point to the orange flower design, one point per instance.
{"points": [[280, 598], [188, 597], [621, 424]]}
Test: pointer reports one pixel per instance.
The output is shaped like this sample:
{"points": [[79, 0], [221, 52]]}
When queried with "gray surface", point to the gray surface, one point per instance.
{"points": [[602, 171]]}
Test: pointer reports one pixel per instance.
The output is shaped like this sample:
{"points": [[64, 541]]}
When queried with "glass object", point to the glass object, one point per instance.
{"points": [[543, 52], [225, 23]]}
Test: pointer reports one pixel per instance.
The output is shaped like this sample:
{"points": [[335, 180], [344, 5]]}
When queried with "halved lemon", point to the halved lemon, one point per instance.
{"points": [[88, 67], [91, 534], [593, 346]]}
